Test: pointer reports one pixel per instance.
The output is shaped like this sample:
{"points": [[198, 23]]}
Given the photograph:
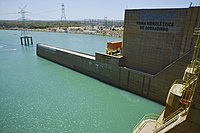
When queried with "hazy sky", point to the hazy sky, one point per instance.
{"points": [[80, 9]]}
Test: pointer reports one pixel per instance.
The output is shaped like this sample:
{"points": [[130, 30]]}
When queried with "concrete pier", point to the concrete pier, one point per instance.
{"points": [[26, 40]]}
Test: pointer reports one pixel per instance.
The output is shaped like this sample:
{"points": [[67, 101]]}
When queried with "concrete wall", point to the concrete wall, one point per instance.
{"points": [[154, 87], [154, 38], [109, 69], [192, 21], [104, 68]]}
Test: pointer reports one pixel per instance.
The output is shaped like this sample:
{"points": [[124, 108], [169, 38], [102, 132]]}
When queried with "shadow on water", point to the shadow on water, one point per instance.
{"points": [[27, 48]]}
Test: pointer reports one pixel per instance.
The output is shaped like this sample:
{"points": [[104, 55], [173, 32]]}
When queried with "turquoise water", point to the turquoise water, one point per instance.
{"points": [[79, 42], [37, 95]]}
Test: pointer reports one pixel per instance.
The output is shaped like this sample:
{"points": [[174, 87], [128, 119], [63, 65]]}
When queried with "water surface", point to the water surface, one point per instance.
{"points": [[37, 95]]}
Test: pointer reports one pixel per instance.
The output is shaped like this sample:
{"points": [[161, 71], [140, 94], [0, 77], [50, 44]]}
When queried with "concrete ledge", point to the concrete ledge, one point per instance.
{"points": [[109, 69]]}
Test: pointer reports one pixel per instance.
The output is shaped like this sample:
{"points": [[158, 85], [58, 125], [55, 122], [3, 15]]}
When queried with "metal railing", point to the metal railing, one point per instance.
{"points": [[173, 114], [196, 31], [163, 126]]}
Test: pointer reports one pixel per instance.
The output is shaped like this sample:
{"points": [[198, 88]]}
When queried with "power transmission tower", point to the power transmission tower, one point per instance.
{"points": [[63, 17], [23, 19], [25, 38], [105, 22]]}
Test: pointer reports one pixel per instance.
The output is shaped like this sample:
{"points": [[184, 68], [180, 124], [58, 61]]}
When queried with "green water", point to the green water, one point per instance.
{"points": [[37, 95]]}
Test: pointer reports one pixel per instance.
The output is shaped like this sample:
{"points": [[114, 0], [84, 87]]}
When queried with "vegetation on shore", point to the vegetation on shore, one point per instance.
{"points": [[114, 29], [5, 24]]}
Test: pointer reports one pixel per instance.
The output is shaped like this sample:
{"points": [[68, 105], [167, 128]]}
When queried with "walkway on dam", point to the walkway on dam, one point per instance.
{"points": [[155, 126], [146, 126], [70, 51]]}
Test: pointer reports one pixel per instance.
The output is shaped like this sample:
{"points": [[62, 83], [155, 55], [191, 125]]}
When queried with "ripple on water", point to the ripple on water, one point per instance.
{"points": [[37, 95]]}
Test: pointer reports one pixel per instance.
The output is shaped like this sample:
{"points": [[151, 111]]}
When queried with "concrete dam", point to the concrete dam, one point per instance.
{"points": [[157, 48]]}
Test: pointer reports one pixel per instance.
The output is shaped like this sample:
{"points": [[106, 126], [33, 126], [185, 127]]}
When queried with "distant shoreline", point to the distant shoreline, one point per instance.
{"points": [[108, 33]]}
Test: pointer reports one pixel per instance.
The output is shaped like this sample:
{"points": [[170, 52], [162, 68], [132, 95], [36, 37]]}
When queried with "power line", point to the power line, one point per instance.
{"points": [[45, 11], [8, 13]]}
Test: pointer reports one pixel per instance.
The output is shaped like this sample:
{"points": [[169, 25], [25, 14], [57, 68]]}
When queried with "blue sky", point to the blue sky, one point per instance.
{"points": [[82, 9]]}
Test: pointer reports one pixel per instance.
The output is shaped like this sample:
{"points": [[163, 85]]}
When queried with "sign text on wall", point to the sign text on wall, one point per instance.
{"points": [[156, 21]]}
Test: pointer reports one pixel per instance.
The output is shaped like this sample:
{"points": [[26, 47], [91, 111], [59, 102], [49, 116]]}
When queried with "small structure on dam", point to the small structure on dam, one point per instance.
{"points": [[114, 48], [157, 47]]}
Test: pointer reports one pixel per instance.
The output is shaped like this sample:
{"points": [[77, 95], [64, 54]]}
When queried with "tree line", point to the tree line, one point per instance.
{"points": [[5, 24]]}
